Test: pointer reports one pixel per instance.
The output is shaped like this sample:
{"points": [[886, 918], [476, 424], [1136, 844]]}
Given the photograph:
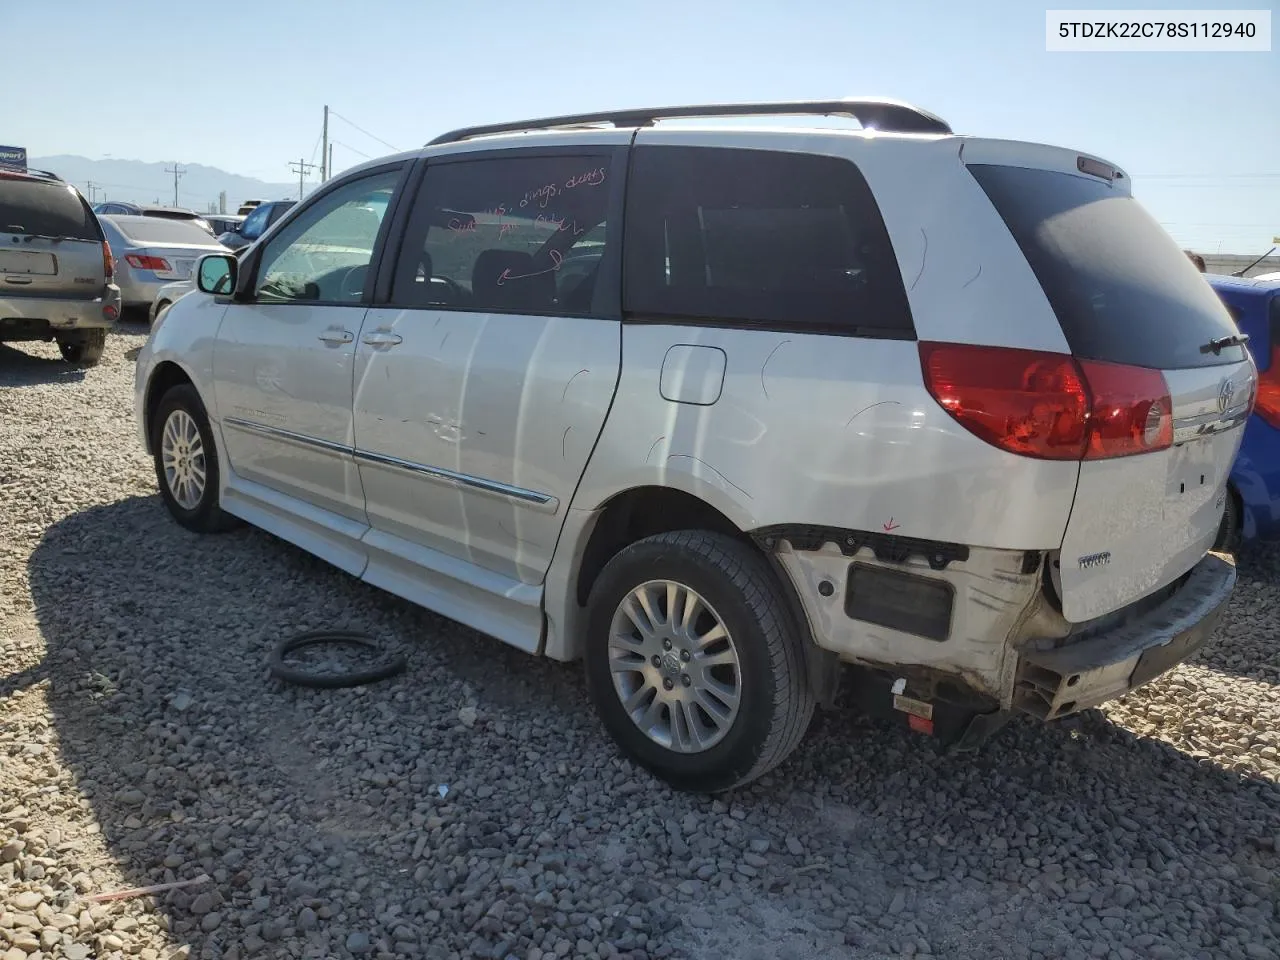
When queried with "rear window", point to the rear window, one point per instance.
{"points": [[164, 230], [1122, 289], [787, 241], [47, 209]]}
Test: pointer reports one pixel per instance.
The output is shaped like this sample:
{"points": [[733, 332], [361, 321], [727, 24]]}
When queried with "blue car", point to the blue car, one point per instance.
{"points": [[1253, 509]]}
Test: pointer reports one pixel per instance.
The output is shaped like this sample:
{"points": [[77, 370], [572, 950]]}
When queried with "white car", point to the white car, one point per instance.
{"points": [[952, 411], [167, 294]]}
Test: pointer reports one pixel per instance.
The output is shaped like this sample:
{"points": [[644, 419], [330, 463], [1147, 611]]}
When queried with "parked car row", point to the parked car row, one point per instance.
{"points": [[732, 414], [68, 270], [120, 208]]}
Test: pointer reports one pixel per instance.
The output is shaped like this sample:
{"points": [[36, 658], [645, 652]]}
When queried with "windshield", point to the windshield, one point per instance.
{"points": [[164, 230], [46, 209], [1122, 289]]}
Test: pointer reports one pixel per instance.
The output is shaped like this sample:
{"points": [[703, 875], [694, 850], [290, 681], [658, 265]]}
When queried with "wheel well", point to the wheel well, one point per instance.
{"points": [[166, 376], [643, 512]]}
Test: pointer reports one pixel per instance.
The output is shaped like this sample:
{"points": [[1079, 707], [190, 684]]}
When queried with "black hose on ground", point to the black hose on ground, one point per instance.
{"points": [[388, 667]]}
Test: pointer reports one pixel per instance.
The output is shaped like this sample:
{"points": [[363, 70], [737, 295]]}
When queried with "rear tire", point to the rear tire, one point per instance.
{"points": [[1231, 532], [186, 462], [84, 348], [724, 710]]}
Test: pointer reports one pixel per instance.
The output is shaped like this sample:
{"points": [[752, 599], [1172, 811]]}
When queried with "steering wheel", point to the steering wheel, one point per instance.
{"points": [[457, 293], [351, 286]]}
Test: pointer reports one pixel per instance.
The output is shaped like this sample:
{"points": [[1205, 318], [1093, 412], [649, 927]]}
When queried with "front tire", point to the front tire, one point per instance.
{"points": [[694, 662], [186, 461], [83, 349]]}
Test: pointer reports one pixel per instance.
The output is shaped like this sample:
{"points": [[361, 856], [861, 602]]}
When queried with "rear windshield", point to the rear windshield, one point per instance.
{"points": [[1123, 290], [46, 209], [164, 230]]}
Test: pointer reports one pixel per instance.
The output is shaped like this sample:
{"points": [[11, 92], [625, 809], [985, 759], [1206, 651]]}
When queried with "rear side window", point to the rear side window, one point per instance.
{"points": [[1122, 289], [779, 240], [46, 209], [515, 234]]}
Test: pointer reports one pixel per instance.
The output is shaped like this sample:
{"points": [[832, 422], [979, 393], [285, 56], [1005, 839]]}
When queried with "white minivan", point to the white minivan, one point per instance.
{"points": [[726, 409]]}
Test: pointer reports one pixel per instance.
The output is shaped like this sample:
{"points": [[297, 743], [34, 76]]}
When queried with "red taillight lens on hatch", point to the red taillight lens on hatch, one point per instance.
{"points": [[108, 262], [148, 263], [1266, 391], [1049, 405], [1131, 410]]}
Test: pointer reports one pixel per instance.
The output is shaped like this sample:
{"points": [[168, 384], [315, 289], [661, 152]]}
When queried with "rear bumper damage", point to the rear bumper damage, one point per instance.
{"points": [[1057, 682]]}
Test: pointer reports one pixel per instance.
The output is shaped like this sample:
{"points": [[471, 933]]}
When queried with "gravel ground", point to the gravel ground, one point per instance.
{"points": [[143, 742]]}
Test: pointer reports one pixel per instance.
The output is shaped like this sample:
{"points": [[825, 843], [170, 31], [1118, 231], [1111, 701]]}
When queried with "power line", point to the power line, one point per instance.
{"points": [[1206, 176], [353, 149], [335, 113]]}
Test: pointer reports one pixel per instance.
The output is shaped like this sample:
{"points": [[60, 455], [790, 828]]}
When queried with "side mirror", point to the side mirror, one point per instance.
{"points": [[216, 274]]}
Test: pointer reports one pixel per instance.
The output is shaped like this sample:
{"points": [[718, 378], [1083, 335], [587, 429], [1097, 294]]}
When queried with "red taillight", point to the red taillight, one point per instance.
{"points": [[1024, 401], [1131, 411], [108, 262], [1266, 396], [1049, 405], [159, 264]]}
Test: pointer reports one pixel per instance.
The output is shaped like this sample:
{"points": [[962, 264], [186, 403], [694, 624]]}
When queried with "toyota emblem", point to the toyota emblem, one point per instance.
{"points": [[1225, 394]]}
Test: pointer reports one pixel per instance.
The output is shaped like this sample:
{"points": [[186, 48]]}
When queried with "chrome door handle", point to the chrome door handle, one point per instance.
{"points": [[382, 338], [337, 336]]}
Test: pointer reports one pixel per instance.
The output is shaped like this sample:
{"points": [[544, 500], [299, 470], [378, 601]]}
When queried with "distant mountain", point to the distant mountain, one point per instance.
{"points": [[140, 182]]}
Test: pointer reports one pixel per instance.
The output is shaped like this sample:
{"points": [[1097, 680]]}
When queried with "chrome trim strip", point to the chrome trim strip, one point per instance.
{"points": [[280, 434], [531, 497], [1205, 424], [543, 501]]}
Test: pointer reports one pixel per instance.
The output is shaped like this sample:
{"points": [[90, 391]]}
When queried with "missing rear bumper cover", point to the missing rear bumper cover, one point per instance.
{"points": [[1055, 683], [886, 547]]}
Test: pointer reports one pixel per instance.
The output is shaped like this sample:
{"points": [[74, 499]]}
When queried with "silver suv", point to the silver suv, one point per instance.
{"points": [[56, 268]]}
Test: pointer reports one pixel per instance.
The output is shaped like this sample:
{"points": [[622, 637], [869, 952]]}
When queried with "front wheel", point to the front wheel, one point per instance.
{"points": [[186, 461], [85, 348], [694, 661]]}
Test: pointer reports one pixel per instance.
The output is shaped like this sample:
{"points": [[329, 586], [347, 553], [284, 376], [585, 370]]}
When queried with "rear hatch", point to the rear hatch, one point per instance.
{"points": [[50, 241], [1126, 295]]}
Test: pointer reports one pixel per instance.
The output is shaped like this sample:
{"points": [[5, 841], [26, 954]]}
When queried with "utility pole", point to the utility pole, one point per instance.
{"points": [[303, 168], [93, 189], [325, 172], [331, 159], [177, 172]]}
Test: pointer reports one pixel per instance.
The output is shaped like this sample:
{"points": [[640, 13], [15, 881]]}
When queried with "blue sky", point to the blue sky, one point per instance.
{"points": [[241, 86]]}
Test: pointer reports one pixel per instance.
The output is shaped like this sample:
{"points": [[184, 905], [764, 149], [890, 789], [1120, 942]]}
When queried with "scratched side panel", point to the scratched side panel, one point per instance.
{"points": [[509, 399], [826, 430]]}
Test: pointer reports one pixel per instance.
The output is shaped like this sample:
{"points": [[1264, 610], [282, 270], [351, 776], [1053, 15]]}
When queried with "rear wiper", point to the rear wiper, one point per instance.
{"points": [[1215, 345]]}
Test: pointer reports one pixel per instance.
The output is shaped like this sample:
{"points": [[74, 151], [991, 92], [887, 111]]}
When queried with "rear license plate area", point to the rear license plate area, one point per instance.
{"points": [[23, 262], [1194, 476]]}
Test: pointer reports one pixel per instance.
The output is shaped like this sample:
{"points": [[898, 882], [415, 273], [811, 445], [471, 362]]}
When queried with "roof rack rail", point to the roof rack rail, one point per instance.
{"points": [[892, 116], [31, 172]]}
